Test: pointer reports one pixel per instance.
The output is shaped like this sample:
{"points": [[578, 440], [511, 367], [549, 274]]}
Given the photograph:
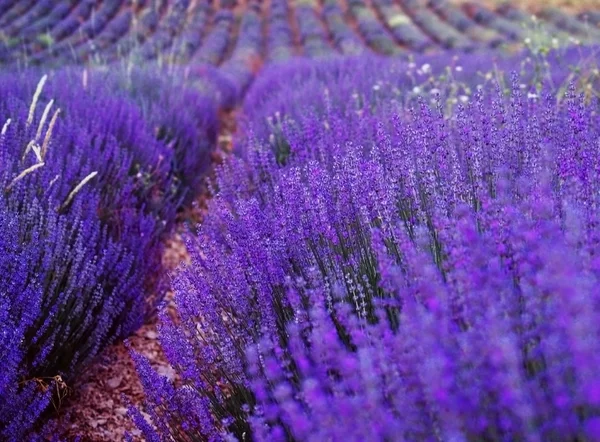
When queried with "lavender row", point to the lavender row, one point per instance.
{"points": [[70, 38], [590, 17], [190, 38], [41, 29], [375, 270], [492, 20], [76, 31], [457, 18], [15, 10], [438, 29], [140, 32], [68, 25], [114, 41], [166, 31], [404, 29], [529, 22], [24, 32], [313, 36], [5, 6], [570, 24], [245, 59], [213, 49], [454, 75], [92, 178], [345, 39], [39, 10], [374, 33], [280, 42]]}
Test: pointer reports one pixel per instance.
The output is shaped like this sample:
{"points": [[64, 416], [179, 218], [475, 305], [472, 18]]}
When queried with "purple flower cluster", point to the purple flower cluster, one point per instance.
{"points": [[454, 76], [91, 179], [20, 405]]}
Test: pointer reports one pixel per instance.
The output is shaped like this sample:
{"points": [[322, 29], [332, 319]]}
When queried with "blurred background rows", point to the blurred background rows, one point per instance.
{"points": [[253, 32]]}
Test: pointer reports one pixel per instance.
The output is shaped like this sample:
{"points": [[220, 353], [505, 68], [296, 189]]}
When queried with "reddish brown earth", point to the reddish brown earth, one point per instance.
{"points": [[96, 411]]}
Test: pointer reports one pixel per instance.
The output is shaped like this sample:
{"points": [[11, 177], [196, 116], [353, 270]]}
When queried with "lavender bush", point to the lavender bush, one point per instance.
{"points": [[406, 275], [189, 136], [88, 193]]}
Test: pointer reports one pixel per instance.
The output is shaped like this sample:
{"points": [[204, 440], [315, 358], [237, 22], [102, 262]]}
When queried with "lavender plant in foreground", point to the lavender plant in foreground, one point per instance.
{"points": [[87, 194], [12, 330], [406, 276]]}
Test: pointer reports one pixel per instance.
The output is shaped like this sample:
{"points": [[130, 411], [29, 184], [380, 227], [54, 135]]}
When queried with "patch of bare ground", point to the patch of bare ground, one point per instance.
{"points": [[96, 408], [97, 411]]}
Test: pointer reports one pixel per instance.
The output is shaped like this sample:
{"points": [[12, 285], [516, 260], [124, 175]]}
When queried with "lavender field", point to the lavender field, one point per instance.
{"points": [[303, 220]]}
